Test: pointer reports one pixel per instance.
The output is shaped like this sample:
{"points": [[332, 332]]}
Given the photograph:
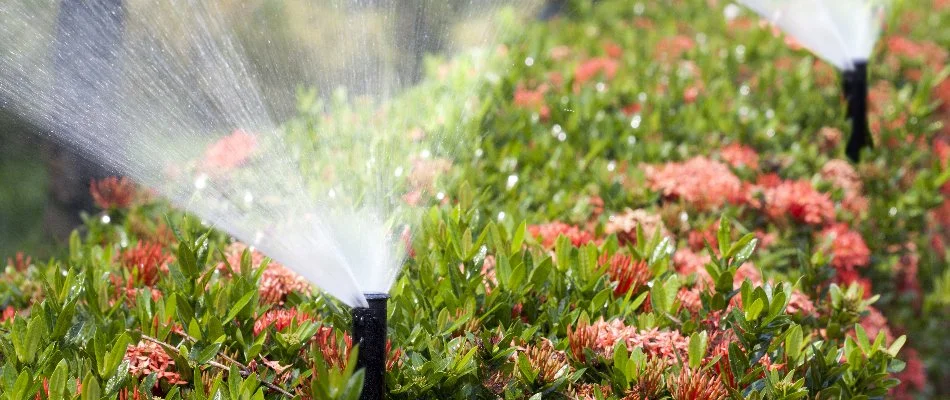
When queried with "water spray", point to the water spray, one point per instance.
{"points": [[841, 32], [369, 332]]}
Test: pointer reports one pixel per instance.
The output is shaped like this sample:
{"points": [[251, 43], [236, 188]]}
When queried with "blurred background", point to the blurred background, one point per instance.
{"points": [[44, 185]]}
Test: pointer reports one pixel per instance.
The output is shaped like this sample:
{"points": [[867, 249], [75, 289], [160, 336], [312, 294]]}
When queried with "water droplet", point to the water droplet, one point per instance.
{"points": [[201, 182], [635, 121], [106, 219], [639, 8], [740, 52], [529, 61], [512, 181], [731, 11], [501, 216]]}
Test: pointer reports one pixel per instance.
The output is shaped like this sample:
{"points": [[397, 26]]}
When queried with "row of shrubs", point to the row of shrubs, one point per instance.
{"points": [[636, 201]]}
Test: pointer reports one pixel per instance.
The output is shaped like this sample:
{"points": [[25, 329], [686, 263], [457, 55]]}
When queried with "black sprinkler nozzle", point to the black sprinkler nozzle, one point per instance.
{"points": [[369, 332], [855, 85]]}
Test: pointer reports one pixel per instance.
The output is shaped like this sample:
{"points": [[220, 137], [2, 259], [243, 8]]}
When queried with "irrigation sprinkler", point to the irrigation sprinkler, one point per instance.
{"points": [[369, 332], [855, 85]]}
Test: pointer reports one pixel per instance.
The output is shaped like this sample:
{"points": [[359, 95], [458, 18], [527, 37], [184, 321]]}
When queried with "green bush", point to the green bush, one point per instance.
{"points": [[640, 208]]}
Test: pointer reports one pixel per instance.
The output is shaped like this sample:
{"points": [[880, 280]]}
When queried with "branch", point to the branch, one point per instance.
{"points": [[244, 372]]}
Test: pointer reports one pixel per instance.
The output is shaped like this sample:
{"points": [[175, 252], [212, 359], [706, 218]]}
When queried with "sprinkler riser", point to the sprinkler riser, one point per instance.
{"points": [[369, 332], [855, 86]]}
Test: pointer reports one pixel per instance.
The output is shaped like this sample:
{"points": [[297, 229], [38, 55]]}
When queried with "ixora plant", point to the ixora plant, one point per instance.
{"points": [[653, 224]]}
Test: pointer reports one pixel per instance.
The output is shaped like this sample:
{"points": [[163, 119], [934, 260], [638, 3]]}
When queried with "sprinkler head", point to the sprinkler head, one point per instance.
{"points": [[855, 85], [369, 332]]}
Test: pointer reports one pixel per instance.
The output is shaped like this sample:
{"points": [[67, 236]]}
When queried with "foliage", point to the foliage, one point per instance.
{"points": [[640, 208]]}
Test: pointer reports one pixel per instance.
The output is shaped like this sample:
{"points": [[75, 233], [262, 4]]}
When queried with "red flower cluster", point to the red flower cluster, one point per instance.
{"points": [[20, 262], [276, 282], [280, 318], [602, 336], [112, 192], [696, 385], [847, 247], [625, 225], [532, 100], [740, 156], [147, 358], [798, 199], [673, 47], [589, 69], [628, 274], [843, 176], [148, 260], [913, 378], [547, 234], [229, 152], [704, 183]]}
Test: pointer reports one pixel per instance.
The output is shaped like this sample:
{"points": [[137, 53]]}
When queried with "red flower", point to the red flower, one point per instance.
{"points": [[696, 385], [913, 377], [230, 152], [148, 358], [601, 337], [548, 233], [7, 314], [739, 156], [532, 100], [148, 259], [797, 199], [280, 319], [112, 192], [875, 323], [21, 261], [613, 50], [277, 281], [673, 47], [592, 67], [628, 274], [847, 247], [625, 225], [702, 182]]}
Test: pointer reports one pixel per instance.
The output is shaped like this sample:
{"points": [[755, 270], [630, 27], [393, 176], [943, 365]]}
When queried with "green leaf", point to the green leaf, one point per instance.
{"points": [[897, 345], [746, 251], [518, 239], [239, 305], [793, 343], [57, 381], [697, 348], [752, 312], [90, 388]]}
